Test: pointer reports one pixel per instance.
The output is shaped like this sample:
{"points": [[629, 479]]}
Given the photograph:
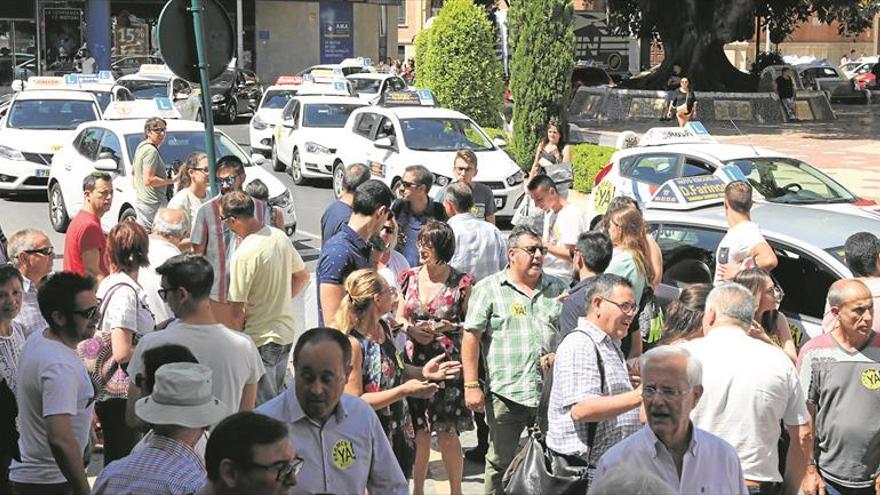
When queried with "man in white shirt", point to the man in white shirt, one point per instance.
{"points": [[750, 387], [233, 358], [169, 229], [480, 248], [743, 246], [54, 393], [338, 436], [669, 445], [563, 223], [32, 253]]}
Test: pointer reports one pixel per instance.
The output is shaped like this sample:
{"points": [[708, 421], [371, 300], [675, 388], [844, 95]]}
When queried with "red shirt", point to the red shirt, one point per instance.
{"points": [[84, 233]]}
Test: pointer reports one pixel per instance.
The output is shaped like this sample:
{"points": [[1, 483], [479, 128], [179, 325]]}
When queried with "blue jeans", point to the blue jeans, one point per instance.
{"points": [[275, 357], [832, 488]]}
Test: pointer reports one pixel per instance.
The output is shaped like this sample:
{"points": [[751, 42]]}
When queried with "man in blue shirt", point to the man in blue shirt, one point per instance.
{"points": [[337, 214], [414, 209], [349, 250], [592, 255]]}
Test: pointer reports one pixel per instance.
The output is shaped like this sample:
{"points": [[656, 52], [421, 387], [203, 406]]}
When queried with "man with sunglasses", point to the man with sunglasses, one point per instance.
{"points": [[149, 175], [32, 253], [415, 208], [517, 309], [54, 393]]}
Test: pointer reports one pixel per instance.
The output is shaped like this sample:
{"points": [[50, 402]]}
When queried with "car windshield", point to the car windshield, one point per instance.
{"points": [[327, 114], [440, 134], [224, 80], [179, 144], [786, 180], [277, 99], [369, 86], [51, 114], [145, 90]]}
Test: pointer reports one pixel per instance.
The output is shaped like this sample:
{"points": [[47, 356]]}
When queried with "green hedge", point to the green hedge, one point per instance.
{"points": [[586, 161], [494, 132]]}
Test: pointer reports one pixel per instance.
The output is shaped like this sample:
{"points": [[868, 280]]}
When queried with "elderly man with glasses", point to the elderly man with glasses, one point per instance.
{"points": [[687, 458], [150, 182], [517, 309], [32, 253]]}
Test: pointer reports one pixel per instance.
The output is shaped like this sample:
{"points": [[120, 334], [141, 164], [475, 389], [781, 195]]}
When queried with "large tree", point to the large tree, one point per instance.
{"points": [[694, 32]]}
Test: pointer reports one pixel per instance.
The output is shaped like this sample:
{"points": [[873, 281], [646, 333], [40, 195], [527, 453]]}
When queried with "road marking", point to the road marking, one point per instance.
{"points": [[309, 234]]}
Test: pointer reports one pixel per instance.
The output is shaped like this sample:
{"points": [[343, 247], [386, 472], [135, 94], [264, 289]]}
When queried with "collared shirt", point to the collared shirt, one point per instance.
{"points": [[335, 216], [710, 465], [519, 329], [30, 318], [576, 376], [749, 386], [347, 455], [164, 466], [480, 248], [344, 253]]}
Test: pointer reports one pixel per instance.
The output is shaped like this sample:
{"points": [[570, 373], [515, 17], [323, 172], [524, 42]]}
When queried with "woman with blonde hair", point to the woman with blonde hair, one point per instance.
{"points": [[769, 324], [378, 374]]}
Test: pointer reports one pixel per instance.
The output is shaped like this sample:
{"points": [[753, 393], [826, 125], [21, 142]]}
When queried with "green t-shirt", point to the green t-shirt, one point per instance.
{"points": [[147, 156]]}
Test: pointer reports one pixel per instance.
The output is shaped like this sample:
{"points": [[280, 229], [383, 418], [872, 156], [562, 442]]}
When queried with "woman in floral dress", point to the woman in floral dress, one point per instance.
{"points": [[433, 307], [378, 374]]}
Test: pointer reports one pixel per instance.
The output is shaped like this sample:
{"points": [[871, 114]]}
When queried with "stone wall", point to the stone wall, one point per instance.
{"points": [[611, 104]]}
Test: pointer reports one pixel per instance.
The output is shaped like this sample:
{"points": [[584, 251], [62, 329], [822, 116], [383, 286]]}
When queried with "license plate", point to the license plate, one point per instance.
{"points": [[499, 202], [42, 173]]}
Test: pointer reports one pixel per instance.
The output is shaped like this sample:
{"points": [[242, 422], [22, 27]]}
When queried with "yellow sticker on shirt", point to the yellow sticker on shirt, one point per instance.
{"points": [[871, 378], [518, 309], [343, 454]]}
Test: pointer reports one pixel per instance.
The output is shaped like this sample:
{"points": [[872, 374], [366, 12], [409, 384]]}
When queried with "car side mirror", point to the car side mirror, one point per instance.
{"points": [[106, 164], [258, 159], [384, 143], [180, 96], [499, 142]]}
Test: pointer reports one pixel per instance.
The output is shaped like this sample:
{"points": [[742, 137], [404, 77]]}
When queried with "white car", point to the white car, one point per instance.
{"points": [[37, 124], [109, 145], [101, 85], [390, 138], [311, 130], [158, 81], [267, 115], [370, 86], [667, 153], [348, 66]]}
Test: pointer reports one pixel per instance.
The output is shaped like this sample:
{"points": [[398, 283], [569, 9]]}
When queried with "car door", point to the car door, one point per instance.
{"points": [[385, 159], [640, 176], [362, 130], [688, 256], [79, 164], [123, 190], [290, 122]]}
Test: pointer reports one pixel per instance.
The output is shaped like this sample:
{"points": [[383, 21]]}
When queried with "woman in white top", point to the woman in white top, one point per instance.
{"points": [[125, 317], [11, 344], [193, 189]]}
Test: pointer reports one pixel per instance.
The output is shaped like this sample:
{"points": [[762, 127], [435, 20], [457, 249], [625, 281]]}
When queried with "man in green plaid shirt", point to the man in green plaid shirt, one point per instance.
{"points": [[515, 312]]}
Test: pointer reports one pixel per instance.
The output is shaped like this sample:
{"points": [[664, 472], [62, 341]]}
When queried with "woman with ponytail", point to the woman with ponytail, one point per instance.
{"points": [[378, 374]]}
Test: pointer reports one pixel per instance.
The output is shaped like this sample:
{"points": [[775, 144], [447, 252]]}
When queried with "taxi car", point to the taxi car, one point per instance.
{"points": [[407, 129], [153, 81], [808, 246], [311, 130], [667, 153], [36, 125], [346, 67], [101, 85], [109, 145], [370, 86]]}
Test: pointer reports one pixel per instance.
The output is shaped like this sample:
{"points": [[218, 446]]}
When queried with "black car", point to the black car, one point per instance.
{"points": [[234, 92]]}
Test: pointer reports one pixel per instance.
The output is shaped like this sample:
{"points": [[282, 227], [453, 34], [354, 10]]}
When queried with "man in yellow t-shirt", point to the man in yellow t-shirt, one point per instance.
{"points": [[265, 273]]}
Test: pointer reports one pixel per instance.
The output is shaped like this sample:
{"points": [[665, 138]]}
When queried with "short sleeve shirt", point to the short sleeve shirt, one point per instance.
{"points": [[484, 200], [84, 234], [335, 216], [10, 353], [519, 329], [147, 157], [737, 243], [127, 305], [562, 228], [344, 253], [189, 203]]}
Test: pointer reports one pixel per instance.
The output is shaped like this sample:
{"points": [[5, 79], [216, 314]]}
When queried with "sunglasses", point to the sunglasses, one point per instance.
{"points": [[408, 185], [158, 130], [532, 250], [227, 181], [46, 251], [88, 313], [286, 470]]}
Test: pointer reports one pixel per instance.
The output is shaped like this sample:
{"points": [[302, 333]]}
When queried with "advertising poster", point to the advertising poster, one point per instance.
{"points": [[63, 36], [337, 31]]}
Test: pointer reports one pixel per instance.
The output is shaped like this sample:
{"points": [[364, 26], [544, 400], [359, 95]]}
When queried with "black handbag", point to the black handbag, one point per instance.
{"points": [[537, 469]]}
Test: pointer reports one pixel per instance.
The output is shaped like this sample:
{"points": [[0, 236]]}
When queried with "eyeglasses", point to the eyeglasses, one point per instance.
{"points": [[408, 185], [626, 308], [667, 393], [46, 251], [533, 250], [158, 130], [388, 230], [227, 181], [163, 291], [224, 218], [286, 470], [778, 293], [88, 313]]}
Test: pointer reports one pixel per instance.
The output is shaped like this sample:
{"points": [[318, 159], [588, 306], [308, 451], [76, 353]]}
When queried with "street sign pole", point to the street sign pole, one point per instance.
{"points": [[198, 11]]}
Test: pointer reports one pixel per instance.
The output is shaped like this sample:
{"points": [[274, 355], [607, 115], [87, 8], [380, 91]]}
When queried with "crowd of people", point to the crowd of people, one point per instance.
{"points": [[171, 337]]}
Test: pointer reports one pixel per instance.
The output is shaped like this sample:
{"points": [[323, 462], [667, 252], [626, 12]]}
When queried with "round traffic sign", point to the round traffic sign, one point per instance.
{"points": [[177, 40]]}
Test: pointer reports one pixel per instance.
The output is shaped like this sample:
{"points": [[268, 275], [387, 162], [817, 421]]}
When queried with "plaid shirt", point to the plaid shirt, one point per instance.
{"points": [[575, 378], [518, 328], [30, 318], [163, 467]]}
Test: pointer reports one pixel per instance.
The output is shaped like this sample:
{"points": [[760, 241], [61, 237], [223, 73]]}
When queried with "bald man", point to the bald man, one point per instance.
{"points": [[170, 231], [840, 374]]}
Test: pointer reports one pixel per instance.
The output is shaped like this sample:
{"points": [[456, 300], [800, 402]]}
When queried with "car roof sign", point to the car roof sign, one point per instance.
{"points": [[688, 193], [307, 78], [693, 133], [418, 98], [289, 80], [46, 82], [426, 97], [142, 109]]}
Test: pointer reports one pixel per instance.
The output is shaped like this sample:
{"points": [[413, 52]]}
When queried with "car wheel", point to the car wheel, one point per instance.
{"points": [[338, 174], [57, 210], [128, 214], [296, 168], [232, 112], [277, 165]]}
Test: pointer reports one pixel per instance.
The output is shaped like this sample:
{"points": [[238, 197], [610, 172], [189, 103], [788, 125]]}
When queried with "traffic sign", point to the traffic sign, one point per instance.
{"points": [[177, 40]]}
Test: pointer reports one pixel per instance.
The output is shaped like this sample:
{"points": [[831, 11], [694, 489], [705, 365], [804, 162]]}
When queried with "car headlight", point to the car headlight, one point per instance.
{"points": [[316, 148], [281, 201], [258, 123], [10, 153], [218, 98], [441, 180], [516, 178]]}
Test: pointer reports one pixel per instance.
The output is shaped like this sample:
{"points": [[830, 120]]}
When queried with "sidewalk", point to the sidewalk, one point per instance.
{"points": [[847, 149]]}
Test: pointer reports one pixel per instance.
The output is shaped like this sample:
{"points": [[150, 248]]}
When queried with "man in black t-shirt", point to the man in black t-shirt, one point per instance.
{"points": [[785, 90]]}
